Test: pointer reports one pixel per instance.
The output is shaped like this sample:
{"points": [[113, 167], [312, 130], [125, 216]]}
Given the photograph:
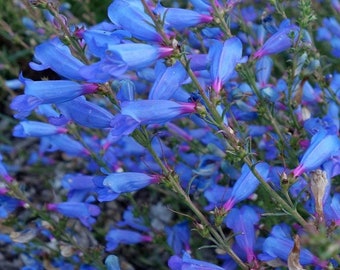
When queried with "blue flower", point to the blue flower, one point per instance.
{"points": [[156, 111], [47, 92], [117, 236], [86, 113], [130, 16], [98, 38], [246, 184], [64, 143], [57, 56], [82, 211], [224, 58], [242, 222], [8, 205], [133, 221], [128, 181], [186, 262], [279, 245], [322, 146], [178, 237], [263, 70], [179, 19], [3, 172], [78, 186], [278, 42], [36, 129], [168, 81], [122, 57]]}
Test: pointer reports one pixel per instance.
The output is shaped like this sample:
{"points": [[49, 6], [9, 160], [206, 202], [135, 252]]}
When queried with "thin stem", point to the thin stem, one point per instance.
{"points": [[157, 25], [219, 19], [220, 240], [292, 211], [75, 46], [173, 179]]}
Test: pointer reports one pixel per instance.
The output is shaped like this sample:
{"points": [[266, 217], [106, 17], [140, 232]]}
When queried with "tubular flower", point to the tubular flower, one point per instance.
{"points": [[36, 129], [321, 148], [117, 236], [64, 143], [130, 16], [224, 58], [156, 111], [178, 237], [83, 211], [246, 184], [46, 92], [57, 56], [186, 262], [279, 244], [129, 181], [168, 81], [242, 222], [280, 41], [180, 19], [86, 113], [122, 57], [263, 70]]}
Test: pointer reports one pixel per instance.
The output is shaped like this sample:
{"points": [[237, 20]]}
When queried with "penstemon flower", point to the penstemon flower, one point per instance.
{"points": [[171, 127]]}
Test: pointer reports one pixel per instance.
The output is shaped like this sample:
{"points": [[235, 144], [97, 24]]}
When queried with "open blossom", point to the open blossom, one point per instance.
{"points": [[85, 212], [156, 111], [224, 57], [122, 57], [86, 113], [246, 184], [110, 187], [118, 236], [178, 237], [57, 56], [186, 262], [242, 222], [179, 19], [322, 146], [278, 42], [130, 16], [168, 81], [36, 129], [48, 92], [279, 245], [128, 181]]}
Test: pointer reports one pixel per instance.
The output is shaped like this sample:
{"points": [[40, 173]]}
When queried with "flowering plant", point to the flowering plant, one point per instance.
{"points": [[197, 135]]}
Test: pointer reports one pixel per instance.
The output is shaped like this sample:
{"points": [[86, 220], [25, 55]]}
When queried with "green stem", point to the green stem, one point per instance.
{"points": [[220, 20], [75, 46], [292, 211], [173, 179]]}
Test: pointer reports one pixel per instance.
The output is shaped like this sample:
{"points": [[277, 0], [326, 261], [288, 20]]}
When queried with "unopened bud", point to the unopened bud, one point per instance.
{"points": [[318, 184], [294, 256], [220, 214], [39, 3], [202, 230]]}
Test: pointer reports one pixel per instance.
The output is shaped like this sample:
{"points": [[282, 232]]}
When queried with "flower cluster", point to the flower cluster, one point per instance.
{"points": [[221, 111]]}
